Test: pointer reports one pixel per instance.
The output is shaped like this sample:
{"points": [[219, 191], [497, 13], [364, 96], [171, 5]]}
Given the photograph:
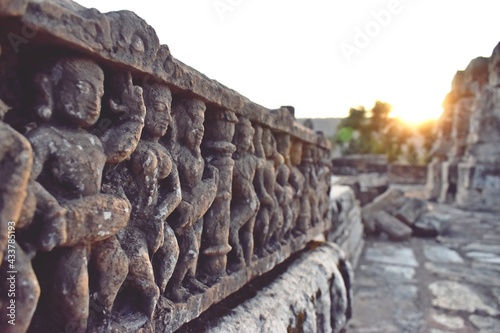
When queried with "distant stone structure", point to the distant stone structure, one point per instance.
{"points": [[136, 192], [371, 175], [465, 168]]}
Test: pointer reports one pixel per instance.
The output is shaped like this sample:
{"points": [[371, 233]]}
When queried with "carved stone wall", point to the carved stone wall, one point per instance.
{"points": [[135, 191], [466, 162]]}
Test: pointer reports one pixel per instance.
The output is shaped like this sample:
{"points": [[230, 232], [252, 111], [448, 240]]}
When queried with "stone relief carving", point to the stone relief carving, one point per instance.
{"points": [[324, 173], [132, 196], [245, 203], [310, 197], [285, 192], [301, 208], [269, 218], [150, 181], [120, 210], [67, 170], [17, 208], [199, 187], [217, 150]]}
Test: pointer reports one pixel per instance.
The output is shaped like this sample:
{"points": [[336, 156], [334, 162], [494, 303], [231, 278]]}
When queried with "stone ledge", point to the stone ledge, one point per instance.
{"points": [[313, 293], [124, 39], [167, 321]]}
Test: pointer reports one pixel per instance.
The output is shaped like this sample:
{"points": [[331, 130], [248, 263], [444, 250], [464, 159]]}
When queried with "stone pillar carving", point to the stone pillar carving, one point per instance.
{"points": [[218, 150]]}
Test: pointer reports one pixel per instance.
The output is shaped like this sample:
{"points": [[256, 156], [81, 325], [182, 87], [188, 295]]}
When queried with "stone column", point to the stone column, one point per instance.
{"points": [[217, 150]]}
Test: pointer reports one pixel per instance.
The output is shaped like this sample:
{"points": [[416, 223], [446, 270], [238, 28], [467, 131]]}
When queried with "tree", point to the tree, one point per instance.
{"points": [[379, 133]]}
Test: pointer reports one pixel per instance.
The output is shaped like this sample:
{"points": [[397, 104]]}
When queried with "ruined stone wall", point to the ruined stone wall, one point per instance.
{"points": [[371, 175], [466, 157], [135, 191]]}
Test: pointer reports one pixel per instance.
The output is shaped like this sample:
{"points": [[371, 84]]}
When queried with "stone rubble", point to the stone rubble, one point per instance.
{"points": [[450, 283]]}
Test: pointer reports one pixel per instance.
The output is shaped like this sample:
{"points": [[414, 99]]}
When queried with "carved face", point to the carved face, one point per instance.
{"points": [[296, 153], [158, 100], [283, 143], [244, 135], [192, 131], [79, 91], [268, 142]]}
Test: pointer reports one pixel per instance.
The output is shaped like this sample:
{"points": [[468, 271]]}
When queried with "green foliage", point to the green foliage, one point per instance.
{"points": [[375, 132]]}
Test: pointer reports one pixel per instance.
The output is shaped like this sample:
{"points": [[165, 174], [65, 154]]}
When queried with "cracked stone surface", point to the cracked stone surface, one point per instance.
{"points": [[449, 284], [452, 322], [450, 295], [485, 324], [391, 254], [437, 253]]}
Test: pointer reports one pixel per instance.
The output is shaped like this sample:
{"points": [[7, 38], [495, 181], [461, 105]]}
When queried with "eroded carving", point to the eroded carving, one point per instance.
{"points": [[150, 181], [218, 150], [123, 204], [245, 203], [269, 217], [199, 187], [285, 192], [67, 170], [17, 208], [309, 210]]}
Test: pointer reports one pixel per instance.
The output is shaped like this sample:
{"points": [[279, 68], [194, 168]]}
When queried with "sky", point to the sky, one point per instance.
{"points": [[325, 56]]}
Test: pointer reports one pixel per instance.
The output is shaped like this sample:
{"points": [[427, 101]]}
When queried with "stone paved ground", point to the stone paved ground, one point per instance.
{"points": [[447, 284]]}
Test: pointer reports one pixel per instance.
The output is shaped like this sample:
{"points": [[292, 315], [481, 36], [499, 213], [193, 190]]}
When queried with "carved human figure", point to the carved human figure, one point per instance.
{"points": [[244, 203], [67, 170], [269, 217], [151, 182], [309, 209], [323, 170], [17, 207], [285, 192], [199, 187], [301, 207]]}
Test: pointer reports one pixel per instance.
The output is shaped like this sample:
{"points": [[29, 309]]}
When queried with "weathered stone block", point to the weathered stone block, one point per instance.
{"points": [[390, 201], [347, 229], [411, 211], [310, 296], [393, 227]]}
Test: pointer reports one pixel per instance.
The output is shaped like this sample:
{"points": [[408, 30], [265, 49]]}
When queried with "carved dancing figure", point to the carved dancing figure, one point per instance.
{"points": [[309, 211], [67, 170], [301, 208], [323, 166], [285, 192], [244, 203], [269, 218], [151, 183], [199, 187]]}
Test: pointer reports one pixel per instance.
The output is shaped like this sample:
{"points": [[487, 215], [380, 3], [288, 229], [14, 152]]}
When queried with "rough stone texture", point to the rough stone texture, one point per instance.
{"points": [[393, 227], [132, 185], [390, 201], [441, 254], [466, 158], [392, 254], [411, 210], [370, 175], [431, 285], [406, 174], [357, 164], [347, 229], [451, 295], [485, 324], [312, 298]]}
